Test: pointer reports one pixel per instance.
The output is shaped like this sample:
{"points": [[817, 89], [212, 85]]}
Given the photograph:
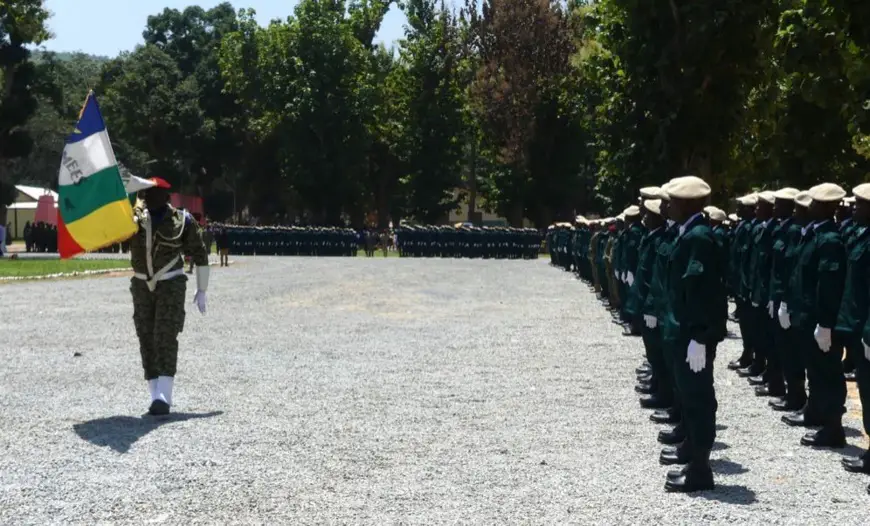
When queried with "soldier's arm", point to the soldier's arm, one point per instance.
{"points": [[193, 245], [699, 286], [832, 278]]}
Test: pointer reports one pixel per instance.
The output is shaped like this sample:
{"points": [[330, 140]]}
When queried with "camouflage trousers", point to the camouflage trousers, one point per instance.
{"points": [[159, 318]]}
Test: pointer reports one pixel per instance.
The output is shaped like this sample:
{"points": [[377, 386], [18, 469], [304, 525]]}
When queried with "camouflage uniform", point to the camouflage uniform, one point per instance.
{"points": [[159, 284]]}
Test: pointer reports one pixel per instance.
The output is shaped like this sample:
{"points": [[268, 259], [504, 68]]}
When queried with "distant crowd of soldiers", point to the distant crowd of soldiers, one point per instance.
{"points": [[459, 241], [285, 240], [40, 237], [795, 263]]}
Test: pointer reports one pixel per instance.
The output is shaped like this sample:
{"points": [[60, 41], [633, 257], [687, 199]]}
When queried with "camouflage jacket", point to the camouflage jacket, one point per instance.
{"points": [[157, 250]]}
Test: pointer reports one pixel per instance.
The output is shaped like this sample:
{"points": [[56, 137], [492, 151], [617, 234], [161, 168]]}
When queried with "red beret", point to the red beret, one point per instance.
{"points": [[160, 183]]}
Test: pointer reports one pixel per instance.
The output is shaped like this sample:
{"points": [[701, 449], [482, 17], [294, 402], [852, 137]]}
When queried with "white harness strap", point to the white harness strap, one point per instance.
{"points": [[163, 274]]}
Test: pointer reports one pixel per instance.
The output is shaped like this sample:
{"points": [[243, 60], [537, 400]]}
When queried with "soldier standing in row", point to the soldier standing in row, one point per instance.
{"points": [[159, 286]]}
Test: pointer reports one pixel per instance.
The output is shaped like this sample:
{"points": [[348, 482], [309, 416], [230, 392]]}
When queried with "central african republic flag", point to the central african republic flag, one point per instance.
{"points": [[93, 210]]}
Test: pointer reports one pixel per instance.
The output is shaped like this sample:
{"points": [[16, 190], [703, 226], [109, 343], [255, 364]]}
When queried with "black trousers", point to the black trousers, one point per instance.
{"points": [[663, 381], [827, 397], [697, 397], [793, 367]]}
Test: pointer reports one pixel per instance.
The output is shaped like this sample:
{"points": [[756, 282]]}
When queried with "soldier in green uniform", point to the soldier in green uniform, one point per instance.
{"points": [[159, 285], [817, 288], [693, 324], [787, 239], [739, 249], [853, 313], [660, 386], [633, 235], [595, 232], [760, 322], [717, 218], [848, 228]]}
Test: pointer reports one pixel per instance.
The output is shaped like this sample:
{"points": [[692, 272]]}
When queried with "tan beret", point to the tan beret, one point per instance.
{"points": [[654, 206], [803, 199], [631, 211], [767, 196], [827, 193], [580, 220], [734, 218], [862, 191], [651, 192], [688, 187], [748, 200], [716, 214], [786, 194]]}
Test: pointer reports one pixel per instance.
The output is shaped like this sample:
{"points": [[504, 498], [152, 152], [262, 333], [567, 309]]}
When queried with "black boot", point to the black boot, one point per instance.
{"points": [[698, 475], [858, 465], [784, 404], [767, 390], [645, 388], [740, 363], [654, 402], [756, 380], [158, 408], [679, 454], [832, 435], [664, 417], [672, 437], [644, 369], [802, 419]]}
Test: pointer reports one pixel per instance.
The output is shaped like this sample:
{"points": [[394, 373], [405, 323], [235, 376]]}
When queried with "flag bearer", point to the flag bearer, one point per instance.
{"points": [[816, 292], [693, 326], [165, 236]]}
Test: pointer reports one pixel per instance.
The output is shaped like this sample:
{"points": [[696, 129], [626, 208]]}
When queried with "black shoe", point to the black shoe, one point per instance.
{"points": [[654, 402], [739, 364], [857, 465], [850, 376], [644, 369], [801, 420], [679, 472], [158, 408], [645, 388], [664, 417], [829, 436], [766, 390], [691, 480], [671, 437], [749, 371], [671, 456], [783, 404], [756, 380]]}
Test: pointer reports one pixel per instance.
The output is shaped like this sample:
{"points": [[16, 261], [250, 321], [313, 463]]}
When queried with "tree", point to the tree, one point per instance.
{"points": [[22, 23], [524, 48], [430, 95]]}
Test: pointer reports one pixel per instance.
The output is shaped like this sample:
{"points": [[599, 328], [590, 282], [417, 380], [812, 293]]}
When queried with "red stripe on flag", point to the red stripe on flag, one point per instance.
{"points": [[66, 245]]}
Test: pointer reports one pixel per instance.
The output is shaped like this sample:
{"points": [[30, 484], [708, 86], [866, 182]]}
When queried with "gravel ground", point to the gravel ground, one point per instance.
{"points": [[355, 391]]}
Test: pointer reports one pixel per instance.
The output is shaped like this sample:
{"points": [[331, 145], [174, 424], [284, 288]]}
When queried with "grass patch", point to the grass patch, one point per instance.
{"points": [[29, 268]]}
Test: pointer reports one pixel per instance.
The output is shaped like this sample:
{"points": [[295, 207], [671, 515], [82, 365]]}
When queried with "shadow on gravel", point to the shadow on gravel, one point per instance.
{"points": [[727, 467], [728, 494], [719, 446], [852, 432], [121, 432]]}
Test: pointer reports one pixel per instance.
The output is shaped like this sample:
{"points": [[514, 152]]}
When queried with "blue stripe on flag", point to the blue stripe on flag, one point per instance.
{"points": [[90, 121]]}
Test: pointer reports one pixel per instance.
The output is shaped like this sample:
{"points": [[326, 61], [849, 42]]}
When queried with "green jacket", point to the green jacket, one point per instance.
{"points": [[738, 248], [746, 254], [631, 245], [656, 303], [697, 304], [818, 276], [786, 238], [853, 307], [643, 273], [760, 263], [723, 239], [173, 236]]}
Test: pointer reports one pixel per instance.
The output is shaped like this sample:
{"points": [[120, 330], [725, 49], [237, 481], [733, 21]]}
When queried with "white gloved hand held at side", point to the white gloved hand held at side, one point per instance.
{"points": [[696, 356], [202, 275], [784, 318], [650, 321], [770, 311], [823, 338], [629, 278], [866, 350]]}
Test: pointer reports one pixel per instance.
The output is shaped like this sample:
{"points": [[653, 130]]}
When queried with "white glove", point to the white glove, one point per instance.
{"points": [[866, 350], [629, 278], [650, 321], [756, 305], [770, 311], [199, 300], [823, 338], [696, 356], [784, 318]]}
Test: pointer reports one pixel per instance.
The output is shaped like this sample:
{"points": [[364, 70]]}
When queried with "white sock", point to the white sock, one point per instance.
{"points": [[152, 388], [164, 388]]}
